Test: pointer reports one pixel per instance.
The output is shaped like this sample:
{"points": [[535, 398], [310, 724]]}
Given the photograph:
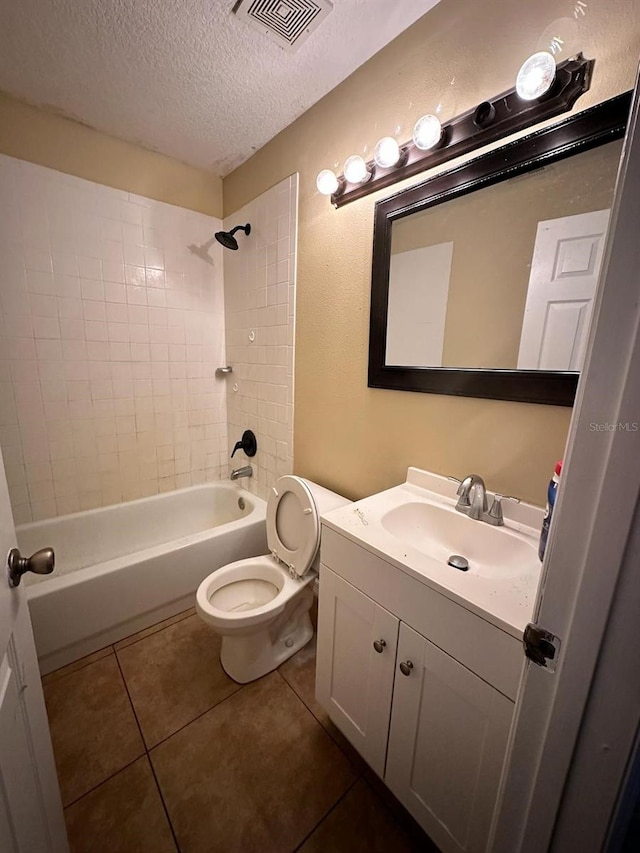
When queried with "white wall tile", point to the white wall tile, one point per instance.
{"points": [[93, 387], [260, 302]]}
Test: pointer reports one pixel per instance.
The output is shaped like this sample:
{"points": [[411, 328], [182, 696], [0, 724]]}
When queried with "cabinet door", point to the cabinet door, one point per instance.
{"points": [[354, 681], [447, 744]]}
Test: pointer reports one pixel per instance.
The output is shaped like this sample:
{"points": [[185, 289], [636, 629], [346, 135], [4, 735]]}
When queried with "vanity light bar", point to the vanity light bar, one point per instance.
{"points": [[491, 120]]}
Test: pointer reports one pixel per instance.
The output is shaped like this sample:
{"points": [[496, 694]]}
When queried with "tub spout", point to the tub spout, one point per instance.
{"points": [[246, 471]]}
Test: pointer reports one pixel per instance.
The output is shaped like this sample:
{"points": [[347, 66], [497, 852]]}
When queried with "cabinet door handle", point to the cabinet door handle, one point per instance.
{"points": [[379, 645], [406, 667]]}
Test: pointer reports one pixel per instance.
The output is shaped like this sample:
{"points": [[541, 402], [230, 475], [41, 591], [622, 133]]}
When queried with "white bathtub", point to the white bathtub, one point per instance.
{"points": [[122, 568]]}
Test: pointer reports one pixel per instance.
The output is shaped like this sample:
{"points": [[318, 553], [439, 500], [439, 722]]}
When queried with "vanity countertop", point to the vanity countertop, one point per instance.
{"points": [[504, 599]]}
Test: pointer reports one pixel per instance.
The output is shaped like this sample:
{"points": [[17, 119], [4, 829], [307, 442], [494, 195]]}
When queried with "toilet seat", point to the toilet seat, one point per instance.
{"points": [[221, 597], [293, 526]]}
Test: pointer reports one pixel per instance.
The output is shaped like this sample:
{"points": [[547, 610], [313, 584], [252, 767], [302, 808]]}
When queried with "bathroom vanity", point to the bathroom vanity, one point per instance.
{"points": [[418, 663]]}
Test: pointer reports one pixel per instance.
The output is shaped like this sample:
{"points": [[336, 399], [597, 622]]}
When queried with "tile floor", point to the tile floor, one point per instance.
{"points": [[158, 750]]}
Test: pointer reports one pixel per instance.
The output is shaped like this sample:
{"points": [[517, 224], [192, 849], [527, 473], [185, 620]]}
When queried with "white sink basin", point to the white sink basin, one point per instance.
{"points": [[440, 532], [415, 527]]}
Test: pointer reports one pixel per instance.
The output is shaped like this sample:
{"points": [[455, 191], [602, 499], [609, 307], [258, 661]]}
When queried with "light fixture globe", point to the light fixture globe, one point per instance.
{"points": [[355, 170], [327, 182], [536, 76], [387, 152], [427, 132]]}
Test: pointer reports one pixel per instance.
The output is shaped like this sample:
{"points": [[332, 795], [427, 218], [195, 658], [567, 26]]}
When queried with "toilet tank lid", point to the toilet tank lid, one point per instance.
{"points": [[324, 499]]}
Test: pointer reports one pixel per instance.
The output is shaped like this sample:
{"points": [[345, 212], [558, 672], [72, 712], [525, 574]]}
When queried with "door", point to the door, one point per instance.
{"points": [[576, 722], [447, 743], [31, 817], [355, 665], [566, 262]]}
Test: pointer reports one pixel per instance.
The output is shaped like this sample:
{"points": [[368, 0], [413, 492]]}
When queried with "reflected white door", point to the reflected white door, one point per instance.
{"points": [[564, 273], [31, 817], [417, 307]]}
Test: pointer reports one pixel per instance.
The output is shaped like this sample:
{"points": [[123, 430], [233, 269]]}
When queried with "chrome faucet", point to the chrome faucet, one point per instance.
{"points": [[472, 500], [245, 471]]}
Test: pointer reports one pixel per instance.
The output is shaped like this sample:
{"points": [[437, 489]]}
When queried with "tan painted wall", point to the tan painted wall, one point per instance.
{"points": [[50, 140], [359, 440], [494, 233]]}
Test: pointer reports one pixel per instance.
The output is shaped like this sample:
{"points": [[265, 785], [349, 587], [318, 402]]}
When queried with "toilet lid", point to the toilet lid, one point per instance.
{"points": [[293, 528]]}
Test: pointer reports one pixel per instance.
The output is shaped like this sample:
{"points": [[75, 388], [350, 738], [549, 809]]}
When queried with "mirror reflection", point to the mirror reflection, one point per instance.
{"points": [[505, 277]]}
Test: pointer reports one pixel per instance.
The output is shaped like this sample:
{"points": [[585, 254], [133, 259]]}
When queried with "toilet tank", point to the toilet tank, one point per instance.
{"points": [[325, 501]]}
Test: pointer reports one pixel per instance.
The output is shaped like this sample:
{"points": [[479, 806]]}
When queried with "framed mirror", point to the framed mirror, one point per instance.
{"points": [[483, 277]]}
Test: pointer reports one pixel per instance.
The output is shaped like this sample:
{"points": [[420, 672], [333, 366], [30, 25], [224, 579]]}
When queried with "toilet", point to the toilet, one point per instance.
{"points": [[260, 606]]}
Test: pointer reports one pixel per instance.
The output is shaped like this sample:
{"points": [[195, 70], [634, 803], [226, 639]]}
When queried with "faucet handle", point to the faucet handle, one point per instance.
{"points": [[498, 497], [495, 513]]}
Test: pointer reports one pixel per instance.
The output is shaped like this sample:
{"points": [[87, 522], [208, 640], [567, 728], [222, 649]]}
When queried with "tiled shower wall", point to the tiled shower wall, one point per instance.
{"points": [[260, 312], [112, 325]]}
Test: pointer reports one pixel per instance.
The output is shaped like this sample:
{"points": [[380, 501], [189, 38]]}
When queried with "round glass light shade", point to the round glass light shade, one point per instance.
{"points": [[427, 132], [327, 182], [387, 152], [355, 169], [536, 76]]}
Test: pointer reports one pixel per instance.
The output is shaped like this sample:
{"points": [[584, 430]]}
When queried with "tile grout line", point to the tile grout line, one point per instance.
{"points": [[106, 779], [147, 754], [78, 669], [320, 723], [326, 815], [113, 648], [151, 633]]}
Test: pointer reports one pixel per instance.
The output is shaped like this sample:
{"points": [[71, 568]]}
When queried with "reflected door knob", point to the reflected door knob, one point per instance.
{"points": [[41, 563], [379, 645], [406, 667]]}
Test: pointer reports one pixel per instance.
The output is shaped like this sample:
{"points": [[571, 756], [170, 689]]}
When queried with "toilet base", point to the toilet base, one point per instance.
{"points": [[245, 657]]}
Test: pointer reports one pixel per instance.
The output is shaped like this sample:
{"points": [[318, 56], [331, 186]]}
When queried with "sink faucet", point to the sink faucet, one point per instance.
{"points": [[245, 471], [472, 500], [472, 497]]}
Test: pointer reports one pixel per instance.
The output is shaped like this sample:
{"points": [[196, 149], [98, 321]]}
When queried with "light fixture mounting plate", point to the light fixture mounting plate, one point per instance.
{"points": [[488, 122]]}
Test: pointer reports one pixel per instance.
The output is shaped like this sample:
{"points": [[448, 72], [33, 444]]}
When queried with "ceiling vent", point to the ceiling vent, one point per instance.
{"points": [[287, 22]]}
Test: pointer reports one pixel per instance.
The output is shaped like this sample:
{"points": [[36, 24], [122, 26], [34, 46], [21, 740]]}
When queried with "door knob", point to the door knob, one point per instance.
{"points": [[379, 645], [406, 667], [41, 563]]}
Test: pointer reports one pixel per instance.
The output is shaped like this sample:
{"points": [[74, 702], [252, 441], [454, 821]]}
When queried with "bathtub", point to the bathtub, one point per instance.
{"points": [[122, 568]]}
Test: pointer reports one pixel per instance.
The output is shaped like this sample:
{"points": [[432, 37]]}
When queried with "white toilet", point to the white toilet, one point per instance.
{"points": [[260, 606]]}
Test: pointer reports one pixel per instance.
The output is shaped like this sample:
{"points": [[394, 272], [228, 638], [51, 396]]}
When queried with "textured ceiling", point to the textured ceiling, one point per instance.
{"points": [[187, 78]]}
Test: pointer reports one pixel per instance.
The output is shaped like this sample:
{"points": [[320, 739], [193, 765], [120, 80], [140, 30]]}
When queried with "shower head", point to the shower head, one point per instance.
{"points": [[227, 239]]}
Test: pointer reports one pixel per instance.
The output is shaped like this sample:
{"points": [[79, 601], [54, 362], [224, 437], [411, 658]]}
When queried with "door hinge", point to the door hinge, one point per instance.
{"points": [[541, 646]]}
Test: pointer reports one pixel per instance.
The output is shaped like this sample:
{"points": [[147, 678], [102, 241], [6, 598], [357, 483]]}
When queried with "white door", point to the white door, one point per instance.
{"points": [[31, 817], [566, 263], [447, 743], [355, 665], [573, 736]]}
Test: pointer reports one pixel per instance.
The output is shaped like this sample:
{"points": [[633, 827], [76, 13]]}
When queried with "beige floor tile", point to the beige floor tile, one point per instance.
{"points": [[153, 629], [93, 727], [123, 815], [361, 823], [76, 665], [253, 775], [173, 676]]}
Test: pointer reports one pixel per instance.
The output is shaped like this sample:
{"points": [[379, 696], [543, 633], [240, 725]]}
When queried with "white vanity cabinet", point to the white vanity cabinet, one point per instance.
{"points": [[354, 680], [423, 689], [447, 742]]}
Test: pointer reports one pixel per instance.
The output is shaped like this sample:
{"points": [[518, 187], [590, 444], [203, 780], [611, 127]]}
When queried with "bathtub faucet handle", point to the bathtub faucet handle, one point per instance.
{"points": [[248, 444], [41, 563]]}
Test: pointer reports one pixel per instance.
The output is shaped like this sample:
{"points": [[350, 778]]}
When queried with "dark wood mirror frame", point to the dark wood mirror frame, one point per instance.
{"points": [[595, 126]]}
